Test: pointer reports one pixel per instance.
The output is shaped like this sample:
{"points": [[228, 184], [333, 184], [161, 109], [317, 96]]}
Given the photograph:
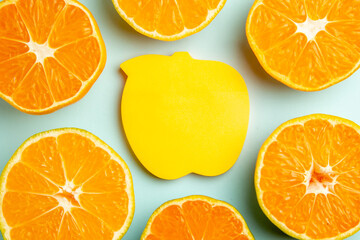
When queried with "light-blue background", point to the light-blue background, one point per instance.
{"points": [[223, 40]]}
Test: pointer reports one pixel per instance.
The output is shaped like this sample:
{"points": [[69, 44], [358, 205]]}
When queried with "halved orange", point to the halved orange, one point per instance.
{"points": [[168, 20], [51, 53], [308, 177], [308, 45], [65, 184], [196, 218]]}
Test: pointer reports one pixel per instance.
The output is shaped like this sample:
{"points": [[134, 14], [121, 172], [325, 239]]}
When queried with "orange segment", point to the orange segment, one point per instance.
{"points": [[69, 228], [300, 214], [322, 229], [345, 10], [275, 28], [289, 50], [32, 92], [193, 12], [163, 229], [346, 53], [86, 162], [350, 180], [42, 189], [278, 179], [350, 199], [316, 75], [168, 20], [319, 9], [282, 201], [62, 83], [39, 17], [347, 31], [14, 71], [29, 206], [345, 140], [91, 226], [72, 57], [299, 150], [343, 164], [294, 9], [61, 39], [106, 207], [345, 218], [43, 157], [225, 223], [10, 49], [165, 27], [73, 161], [320, 200], [145, 15], [95, 163], [308, 45], [114, 176], [15, 28], [131, 7], [318, 134], [73, 24], [277, 155], [196, 217], [25, 179], [44, 227]]}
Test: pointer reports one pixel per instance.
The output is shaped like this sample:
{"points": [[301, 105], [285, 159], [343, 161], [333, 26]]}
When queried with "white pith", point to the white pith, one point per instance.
{"points": [[317, 187], [41, 51], [68, 188], [310, 28]]}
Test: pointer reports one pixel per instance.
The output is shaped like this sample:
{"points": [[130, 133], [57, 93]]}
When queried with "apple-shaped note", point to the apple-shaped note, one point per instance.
{"points": [[182, 115]]}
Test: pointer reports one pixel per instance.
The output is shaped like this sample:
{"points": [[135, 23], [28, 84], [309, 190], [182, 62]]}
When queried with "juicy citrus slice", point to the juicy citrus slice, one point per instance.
{"points": [[308, 177], [308, 45], [168, 20], [196, 218], [51, 53], [65, 184]]}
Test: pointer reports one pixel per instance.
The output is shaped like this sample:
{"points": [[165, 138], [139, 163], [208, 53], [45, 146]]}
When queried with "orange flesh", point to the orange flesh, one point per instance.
{"points": [[28, 29], [65, 188], [196, 220], [169, 17], [310, 178], [300, 62]]}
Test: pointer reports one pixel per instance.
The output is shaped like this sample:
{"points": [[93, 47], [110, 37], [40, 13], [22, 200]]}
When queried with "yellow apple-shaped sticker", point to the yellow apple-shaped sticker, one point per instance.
{"points": [[182, 115]]}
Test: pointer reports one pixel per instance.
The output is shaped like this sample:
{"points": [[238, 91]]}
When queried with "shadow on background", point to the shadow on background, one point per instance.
{"points": [[254, 65], [116, 19], [254, 208], [122, 28], [6, 108]]}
